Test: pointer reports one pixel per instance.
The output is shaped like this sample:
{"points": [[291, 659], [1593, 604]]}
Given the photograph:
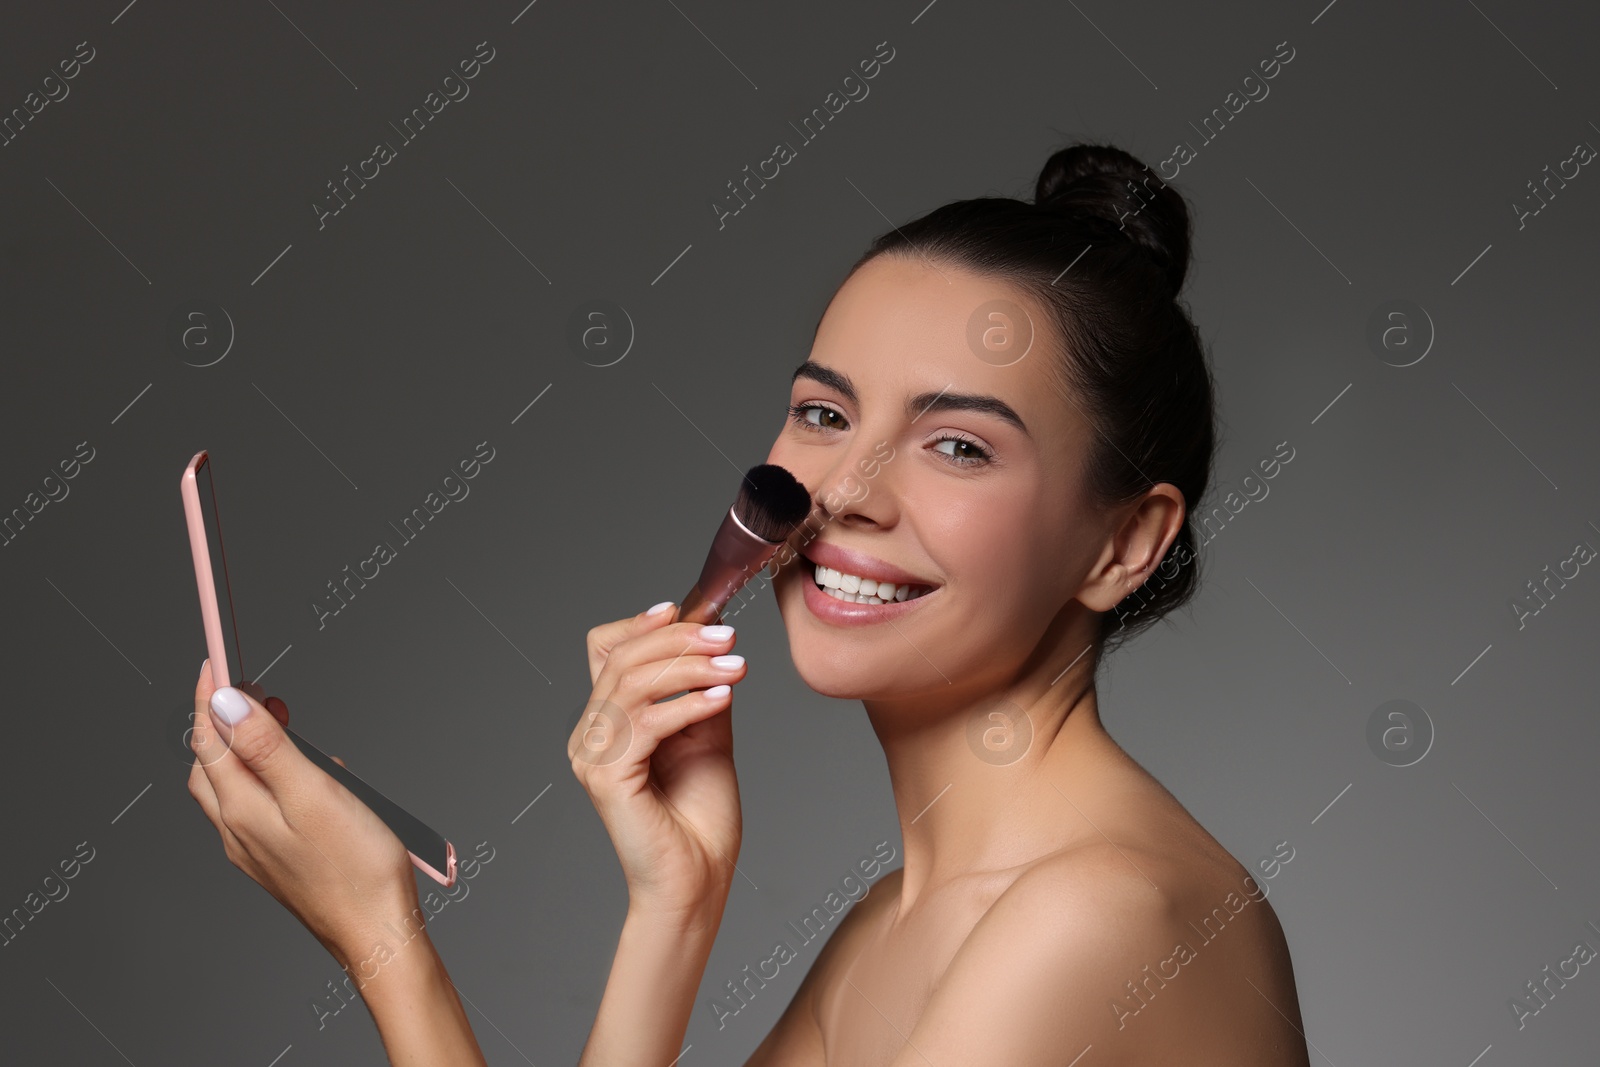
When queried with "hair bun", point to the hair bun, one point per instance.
{"points": [[1105, 183]]}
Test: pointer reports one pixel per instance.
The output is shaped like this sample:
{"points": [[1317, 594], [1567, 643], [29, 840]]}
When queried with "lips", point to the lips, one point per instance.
{"points": [[856, 578], [827, 607], [849, 561]]}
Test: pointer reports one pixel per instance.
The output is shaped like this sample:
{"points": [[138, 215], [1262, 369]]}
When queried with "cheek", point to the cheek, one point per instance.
{"points": [[1000, 546]]}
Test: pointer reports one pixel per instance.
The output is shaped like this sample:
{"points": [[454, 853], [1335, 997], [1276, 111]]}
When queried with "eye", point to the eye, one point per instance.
{"points": [[964, 452], [800, 414]]}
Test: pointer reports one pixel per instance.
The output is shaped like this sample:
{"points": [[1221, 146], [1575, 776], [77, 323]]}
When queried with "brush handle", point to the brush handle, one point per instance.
{"points": [[699, 607], [736, 556]]}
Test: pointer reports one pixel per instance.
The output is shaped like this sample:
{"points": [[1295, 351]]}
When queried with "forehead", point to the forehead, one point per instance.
{"points": [[904, 325]]}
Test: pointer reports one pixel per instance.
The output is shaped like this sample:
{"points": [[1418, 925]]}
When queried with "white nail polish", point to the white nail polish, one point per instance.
{"points": [[229, 705]]}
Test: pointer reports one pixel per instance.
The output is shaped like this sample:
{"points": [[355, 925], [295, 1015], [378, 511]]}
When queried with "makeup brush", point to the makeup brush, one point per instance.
{"points": [[771, 505]]}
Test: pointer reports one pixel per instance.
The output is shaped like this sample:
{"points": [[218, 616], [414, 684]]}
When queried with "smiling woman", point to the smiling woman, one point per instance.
{"points": [[975, 583], [972, 583]]}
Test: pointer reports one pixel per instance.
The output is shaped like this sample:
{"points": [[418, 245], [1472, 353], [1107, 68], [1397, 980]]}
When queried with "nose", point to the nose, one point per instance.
{"points": [[855, 490], [852, 489]]}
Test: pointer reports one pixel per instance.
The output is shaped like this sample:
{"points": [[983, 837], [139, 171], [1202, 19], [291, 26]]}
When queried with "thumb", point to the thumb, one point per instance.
{"points": [[254, 737]]}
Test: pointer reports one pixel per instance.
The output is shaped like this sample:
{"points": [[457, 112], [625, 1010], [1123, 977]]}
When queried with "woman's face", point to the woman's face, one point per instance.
{"points": [[906, 439]]}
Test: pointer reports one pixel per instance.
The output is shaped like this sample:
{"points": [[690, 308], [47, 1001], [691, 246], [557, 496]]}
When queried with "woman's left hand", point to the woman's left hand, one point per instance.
{"points": [[301, 835]]}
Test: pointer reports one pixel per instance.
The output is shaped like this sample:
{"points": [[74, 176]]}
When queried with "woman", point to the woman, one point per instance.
{"points": [[1004, 421]]}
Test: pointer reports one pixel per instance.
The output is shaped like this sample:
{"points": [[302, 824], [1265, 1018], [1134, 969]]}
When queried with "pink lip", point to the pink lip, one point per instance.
{"points": [[861, 565], [832, 610]]}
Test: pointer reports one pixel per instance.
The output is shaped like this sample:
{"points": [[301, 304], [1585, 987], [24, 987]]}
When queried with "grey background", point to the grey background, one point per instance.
{"points": [[371, 355]]}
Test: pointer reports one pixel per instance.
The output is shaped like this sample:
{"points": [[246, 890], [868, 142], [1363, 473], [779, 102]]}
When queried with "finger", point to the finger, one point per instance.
{"points": [[258, 752], [655, 722], [279, 709], [218, 764], [339, 761], [647, 683], [715, 730], [204, 795], [203, 737], [662, 644], [603, 638], [607, 733]]}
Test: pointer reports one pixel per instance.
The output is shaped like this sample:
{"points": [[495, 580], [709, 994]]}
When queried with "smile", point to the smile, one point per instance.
{"points": [[851, 588], [854, 589]]}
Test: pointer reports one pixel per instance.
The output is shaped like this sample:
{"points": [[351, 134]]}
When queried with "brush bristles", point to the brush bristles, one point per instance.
{"points": [[771, 502]]}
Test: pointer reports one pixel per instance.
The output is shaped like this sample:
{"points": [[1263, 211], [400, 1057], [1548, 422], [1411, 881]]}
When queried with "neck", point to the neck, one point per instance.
{"points": [[984, 779]]}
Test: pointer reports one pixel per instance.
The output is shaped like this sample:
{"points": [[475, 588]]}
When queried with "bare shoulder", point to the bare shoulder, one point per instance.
{"points": [[1144, 890], [1098, 945], [1102, 938]]}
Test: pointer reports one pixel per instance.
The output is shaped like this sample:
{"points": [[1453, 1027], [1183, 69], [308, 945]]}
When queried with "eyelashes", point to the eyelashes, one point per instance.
{"points": [[977, 455]]}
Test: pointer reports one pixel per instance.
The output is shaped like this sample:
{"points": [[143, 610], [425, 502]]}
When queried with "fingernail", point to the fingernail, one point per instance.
{"points": [[659, 608], [716, 633], [230, 705], [727, 663], [717, 692]]}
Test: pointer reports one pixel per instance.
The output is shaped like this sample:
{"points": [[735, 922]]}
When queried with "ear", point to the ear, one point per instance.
{"points": [[1144, 530]]}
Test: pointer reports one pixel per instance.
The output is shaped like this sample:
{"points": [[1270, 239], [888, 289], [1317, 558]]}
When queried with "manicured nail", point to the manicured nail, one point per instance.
{"points": [[230, 705], [716, 633], [659, 608], [717, 692], [727, 663]]}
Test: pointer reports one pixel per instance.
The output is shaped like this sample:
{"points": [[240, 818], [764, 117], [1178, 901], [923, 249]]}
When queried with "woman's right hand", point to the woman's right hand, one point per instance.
{"points": [[660, 772]]}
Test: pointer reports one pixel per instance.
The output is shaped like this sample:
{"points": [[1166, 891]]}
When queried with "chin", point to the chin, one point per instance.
{"points": [[846, 664]]}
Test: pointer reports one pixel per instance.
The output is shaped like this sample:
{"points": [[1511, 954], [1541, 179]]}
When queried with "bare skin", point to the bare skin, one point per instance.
{"points": [[282, 820], [1056, 902], [1037, 883], [924, 969]]}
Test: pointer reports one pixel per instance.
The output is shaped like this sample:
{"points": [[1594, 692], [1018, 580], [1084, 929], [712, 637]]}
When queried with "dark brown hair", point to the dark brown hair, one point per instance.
{"points": [[1104, 246]]}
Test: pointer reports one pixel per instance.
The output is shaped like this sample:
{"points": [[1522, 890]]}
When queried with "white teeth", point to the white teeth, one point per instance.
{"points": [[854, 589]]}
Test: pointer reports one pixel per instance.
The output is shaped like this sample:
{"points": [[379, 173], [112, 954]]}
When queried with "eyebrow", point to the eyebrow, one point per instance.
{"points": [[918, 405]]}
